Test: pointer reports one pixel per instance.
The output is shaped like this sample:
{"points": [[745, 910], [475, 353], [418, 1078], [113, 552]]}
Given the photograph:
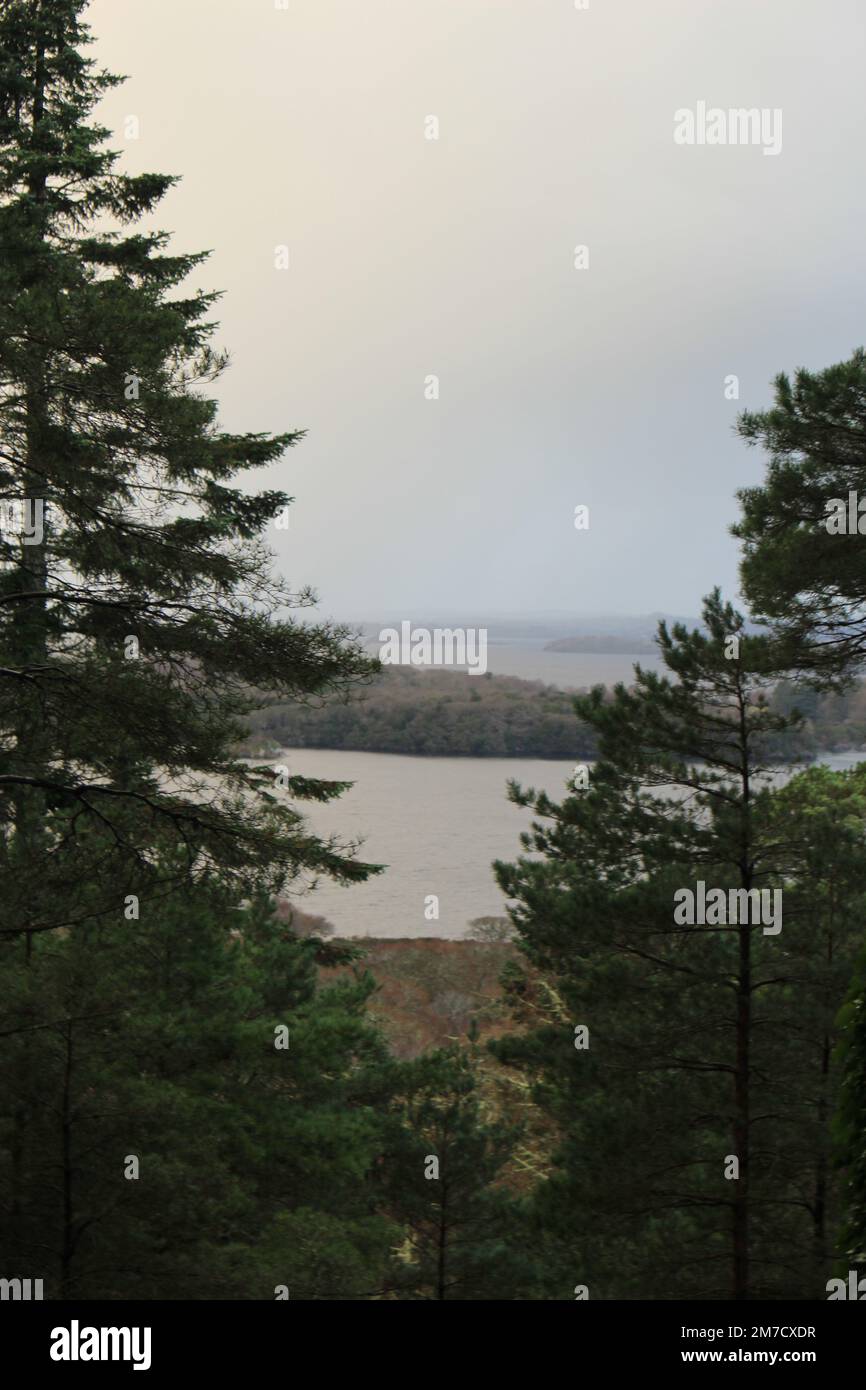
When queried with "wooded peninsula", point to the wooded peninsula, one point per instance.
{"points": [[436, 713]]}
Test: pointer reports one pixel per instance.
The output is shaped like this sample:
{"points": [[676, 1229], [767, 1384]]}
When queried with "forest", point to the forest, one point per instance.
{"points": [[436, 713], [203, 1097]]}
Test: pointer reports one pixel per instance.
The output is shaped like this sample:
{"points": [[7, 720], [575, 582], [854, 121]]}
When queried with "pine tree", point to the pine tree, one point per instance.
{"points": [[442, 1172], [804, 569], [186, 1113], [799, 569], [691, 1100], [817, 821], [850, 1123], [138, 612]]}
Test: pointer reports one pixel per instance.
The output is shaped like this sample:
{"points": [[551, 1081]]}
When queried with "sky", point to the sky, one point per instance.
{"points": [[563, 378]]}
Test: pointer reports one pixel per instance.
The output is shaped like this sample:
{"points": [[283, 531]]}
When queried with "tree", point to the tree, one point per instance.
{"points": [[442, 1172], [818, 823], [850, 1120], [185, 1113], [802, 570], [137, 606], [489, 929], [691, 1088]]}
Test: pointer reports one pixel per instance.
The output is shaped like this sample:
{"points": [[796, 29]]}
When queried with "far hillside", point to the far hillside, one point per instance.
{"points": [[432, 992], [433, 713], [440, 713], [603, 644]]}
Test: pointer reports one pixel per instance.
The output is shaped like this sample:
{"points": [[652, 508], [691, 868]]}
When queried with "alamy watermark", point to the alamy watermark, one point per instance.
{"points": [[719, 907], [441, 646], [737, 126], [854, 1290], [22, 519], [845, 517], [77, 1343], [20, 1290]]}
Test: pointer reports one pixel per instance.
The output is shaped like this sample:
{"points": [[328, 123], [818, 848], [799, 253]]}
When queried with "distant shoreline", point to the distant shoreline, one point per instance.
{"points": [[602, 646], [266, 754]]}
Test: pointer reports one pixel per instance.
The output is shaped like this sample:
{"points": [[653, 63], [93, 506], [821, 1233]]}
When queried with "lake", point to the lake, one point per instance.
{"points": [[526, 657], [437, 823]]}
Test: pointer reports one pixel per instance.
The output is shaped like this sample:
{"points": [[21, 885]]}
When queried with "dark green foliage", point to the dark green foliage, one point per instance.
{"points": [[433, 713], [441, 1172], [705, 1041], [850, 1122], [157, 1040], [809, 582], [135, 625], [440, 713]]}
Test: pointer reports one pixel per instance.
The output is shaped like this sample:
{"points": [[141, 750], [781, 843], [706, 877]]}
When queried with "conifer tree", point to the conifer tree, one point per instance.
{"points": [[804, 570], [138, 611], [690, 1098], [850, 1124], [442, 1171], [186, 1113], [804, 540]]}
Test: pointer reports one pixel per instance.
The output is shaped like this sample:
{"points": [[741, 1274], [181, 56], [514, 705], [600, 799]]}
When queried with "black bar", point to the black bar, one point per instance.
{"points": [[254, 1339]]}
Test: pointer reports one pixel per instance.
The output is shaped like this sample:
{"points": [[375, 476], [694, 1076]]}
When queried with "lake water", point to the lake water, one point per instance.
{"points": [[569, 670], [526, 657], [437, 823]]}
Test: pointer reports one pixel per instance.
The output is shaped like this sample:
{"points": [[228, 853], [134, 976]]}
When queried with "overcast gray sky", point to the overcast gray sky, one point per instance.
{"points": [[411, 257]]}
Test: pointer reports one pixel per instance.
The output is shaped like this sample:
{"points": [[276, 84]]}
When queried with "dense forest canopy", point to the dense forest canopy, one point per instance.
{"points": [[452, 714]]}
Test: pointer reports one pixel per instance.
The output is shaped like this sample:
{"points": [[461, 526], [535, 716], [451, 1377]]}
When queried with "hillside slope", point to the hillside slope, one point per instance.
{"points": [[430, 990]]}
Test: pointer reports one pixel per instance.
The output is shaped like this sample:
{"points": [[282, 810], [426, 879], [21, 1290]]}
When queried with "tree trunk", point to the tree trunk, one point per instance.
{"points": [[742, 1075], [741, 1115], [68, 1242], [30, 616]]}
